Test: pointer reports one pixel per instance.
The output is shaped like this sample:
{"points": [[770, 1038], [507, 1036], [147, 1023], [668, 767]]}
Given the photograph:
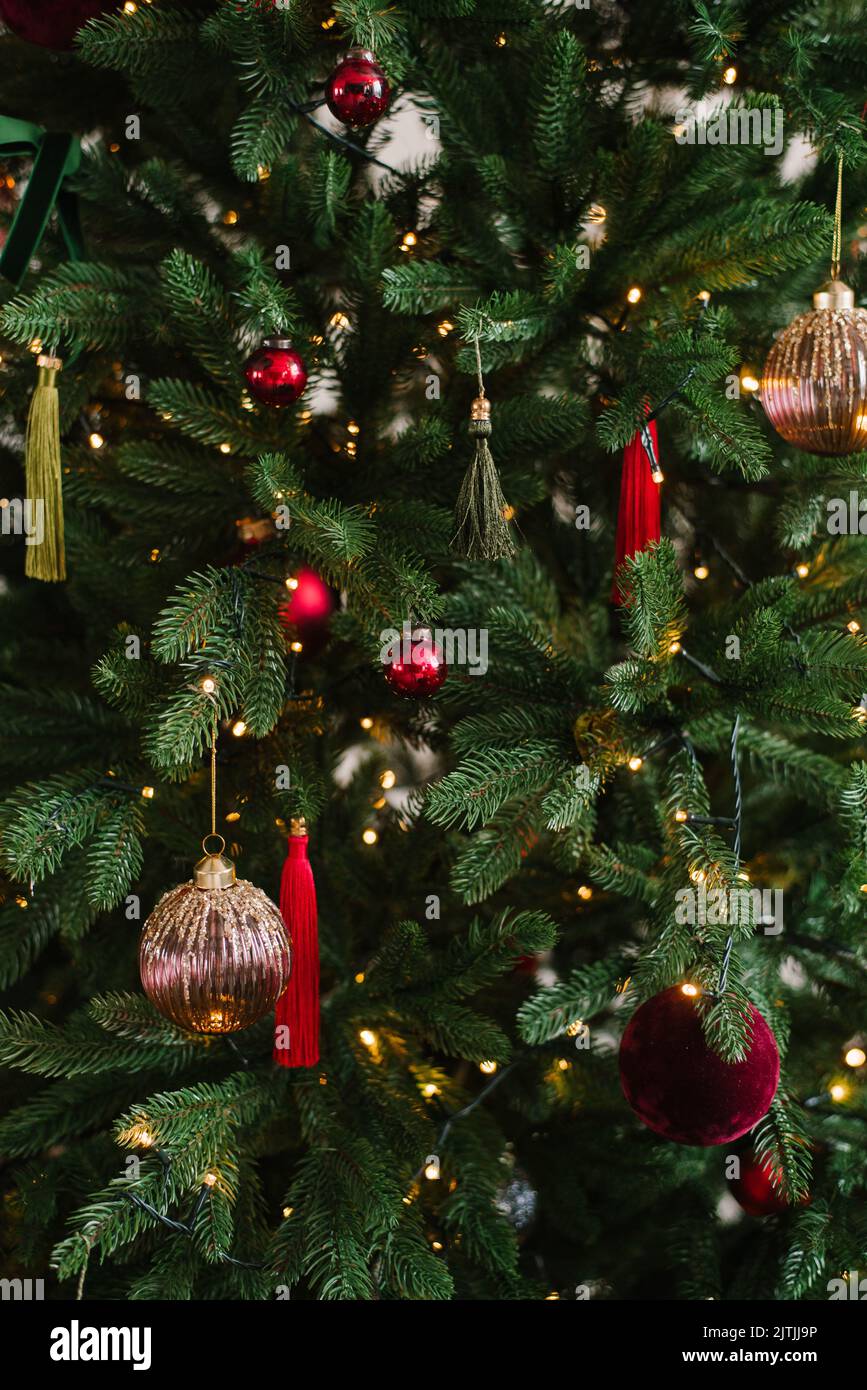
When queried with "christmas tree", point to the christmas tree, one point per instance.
{"points": [[406, 514]]}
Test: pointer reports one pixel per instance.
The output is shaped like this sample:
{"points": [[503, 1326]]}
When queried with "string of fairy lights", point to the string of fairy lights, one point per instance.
{"points": [[854, 1057]]}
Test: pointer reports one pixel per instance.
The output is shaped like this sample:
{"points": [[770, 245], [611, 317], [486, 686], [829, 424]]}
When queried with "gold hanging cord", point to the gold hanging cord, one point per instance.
{"points": [[213, 776], [214, 871], [837, 244]]}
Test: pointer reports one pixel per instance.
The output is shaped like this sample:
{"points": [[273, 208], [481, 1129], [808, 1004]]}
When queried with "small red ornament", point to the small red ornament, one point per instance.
{"points": [[308, 611], [680, 1088], [526, 965], [415, 667], [275, 373], [51, 23], [357, 91], [755, 1190]]}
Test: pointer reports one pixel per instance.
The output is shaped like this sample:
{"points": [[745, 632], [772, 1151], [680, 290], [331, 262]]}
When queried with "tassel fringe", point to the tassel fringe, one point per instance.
{"points": [[481, 514], [296, 1030], [638, 517], [47, 558]]}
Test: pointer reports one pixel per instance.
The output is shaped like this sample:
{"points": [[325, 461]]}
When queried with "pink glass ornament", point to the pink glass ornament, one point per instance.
{"points": [[214, 960], [814, 386]]}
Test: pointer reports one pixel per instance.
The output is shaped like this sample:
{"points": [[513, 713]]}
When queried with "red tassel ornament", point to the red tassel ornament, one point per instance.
{"points": [[296, 1023], [638, 519]]}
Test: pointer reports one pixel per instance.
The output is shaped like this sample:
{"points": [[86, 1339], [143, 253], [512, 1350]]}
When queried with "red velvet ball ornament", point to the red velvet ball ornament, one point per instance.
{"points": [[680, 1088], [418, 671], [308, 610], [755, 1190], [357, 91], [275, 373], [51, 23]]}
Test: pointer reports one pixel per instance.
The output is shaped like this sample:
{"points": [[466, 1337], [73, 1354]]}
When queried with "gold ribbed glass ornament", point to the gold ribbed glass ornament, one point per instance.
{"points": [[214, 954], [814, 386]]}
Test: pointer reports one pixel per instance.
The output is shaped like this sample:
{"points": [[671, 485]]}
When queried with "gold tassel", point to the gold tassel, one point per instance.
{"points": [[47, 559]]}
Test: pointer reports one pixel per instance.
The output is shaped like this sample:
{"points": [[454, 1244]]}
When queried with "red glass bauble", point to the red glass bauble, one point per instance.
{"points": [[755, 1190], [308, 611], [357, 91], [275, 374], [417, 668], [680, 1088], [51, 23]]}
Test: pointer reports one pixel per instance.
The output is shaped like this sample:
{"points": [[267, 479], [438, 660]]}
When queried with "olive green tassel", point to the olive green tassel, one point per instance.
{"points": [[482, 514], [46, 559]]}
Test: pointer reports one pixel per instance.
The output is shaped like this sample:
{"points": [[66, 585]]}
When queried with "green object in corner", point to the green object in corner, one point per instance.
{"points": [[57, 156]]}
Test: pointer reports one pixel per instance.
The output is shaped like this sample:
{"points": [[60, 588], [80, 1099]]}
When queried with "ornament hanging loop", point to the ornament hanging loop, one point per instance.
{"points": [[837, 243], [835, 294], [479, 377], [215, 870], [213, 833]]}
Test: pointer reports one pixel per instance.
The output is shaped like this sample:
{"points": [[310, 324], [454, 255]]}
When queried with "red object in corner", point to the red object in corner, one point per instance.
{"points": [[51, 23], [296, 1022], [638, 518]]}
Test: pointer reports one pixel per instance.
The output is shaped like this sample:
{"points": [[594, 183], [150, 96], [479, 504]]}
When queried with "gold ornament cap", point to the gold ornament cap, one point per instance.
{"points": [[834, 294], [297, 826], [480, 408], [215, 870]]}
